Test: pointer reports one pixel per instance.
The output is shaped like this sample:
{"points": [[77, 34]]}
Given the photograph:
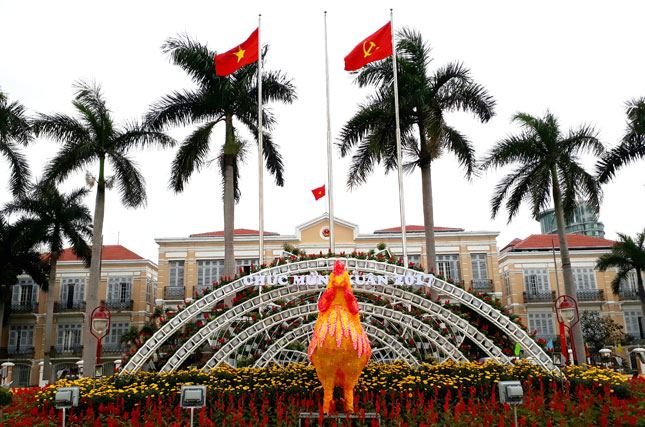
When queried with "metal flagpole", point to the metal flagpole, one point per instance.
{"points": [[260, 154], [330, 179], [399, 160]]}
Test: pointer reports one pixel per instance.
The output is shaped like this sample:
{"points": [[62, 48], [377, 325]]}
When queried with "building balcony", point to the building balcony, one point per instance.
{"points": [[174, 293], [68, 306], [118, 305], [539, 296], [482, 285], [628, 295], [67, 350], [22, 352], [590, 295], [113, 348], [22, 307]]}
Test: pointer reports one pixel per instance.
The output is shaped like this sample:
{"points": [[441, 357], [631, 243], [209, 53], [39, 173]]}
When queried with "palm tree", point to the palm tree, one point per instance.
{"points": [[626, 255], [56, 219], [18, 255], [632, 146], [425, 98], [547, 168], [92, 136], [231, 100], [130, 337], [14, 131]]}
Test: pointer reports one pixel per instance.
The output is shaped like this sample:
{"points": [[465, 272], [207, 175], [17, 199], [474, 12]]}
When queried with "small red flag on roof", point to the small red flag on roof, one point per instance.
{"points": [[375, 47], [241, 55], [319, 192]]}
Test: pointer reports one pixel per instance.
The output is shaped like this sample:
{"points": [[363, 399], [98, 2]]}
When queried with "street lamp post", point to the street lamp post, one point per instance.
{"points": [[100, 327], [566, 309]]}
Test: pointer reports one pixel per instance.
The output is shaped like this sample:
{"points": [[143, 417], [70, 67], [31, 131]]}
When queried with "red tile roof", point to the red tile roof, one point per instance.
{"points": [[237, 232], [545, 241], [415, 229], [110, 253]]}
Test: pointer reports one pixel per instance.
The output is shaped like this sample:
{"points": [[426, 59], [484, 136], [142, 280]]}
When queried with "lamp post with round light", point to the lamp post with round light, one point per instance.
{"points": [[100, 327], [566, 309]]}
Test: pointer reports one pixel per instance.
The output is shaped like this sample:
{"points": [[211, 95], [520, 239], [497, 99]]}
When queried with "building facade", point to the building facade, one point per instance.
{"points": [[584, 221], [187, 265], [127, 287], [532, 279]]}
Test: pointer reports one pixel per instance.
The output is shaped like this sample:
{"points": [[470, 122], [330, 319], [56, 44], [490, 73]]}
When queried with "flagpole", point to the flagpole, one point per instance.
{"points": [[398, 145], [330, 179], [260, 153]]}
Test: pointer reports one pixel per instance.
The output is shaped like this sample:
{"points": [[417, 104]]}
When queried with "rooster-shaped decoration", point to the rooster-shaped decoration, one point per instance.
{"points": [[339, 348]]}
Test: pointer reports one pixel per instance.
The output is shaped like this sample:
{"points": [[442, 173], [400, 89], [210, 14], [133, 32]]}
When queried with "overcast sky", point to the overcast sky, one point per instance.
{"points": [[580, 59]]}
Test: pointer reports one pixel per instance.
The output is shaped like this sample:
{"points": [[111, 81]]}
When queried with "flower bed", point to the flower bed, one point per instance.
{"points": [[445, 394]]}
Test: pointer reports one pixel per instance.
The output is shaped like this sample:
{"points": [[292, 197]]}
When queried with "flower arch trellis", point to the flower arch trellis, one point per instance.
{"points": [[445, 289]]}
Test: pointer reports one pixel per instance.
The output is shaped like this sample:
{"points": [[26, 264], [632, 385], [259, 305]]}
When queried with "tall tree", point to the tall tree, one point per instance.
{"points": [[18, 255], [56, 219], [92, 137], [547, 168], [425, 97], [14, 131], [627, 255], [232, 100], [632, 146]]}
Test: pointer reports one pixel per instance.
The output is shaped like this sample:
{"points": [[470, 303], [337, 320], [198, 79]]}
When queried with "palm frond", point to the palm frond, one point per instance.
{"points": [[20, 175], [73, 156], [624, 153], [191, 156], [138, 136], [461, 147], [194, 58], [130, 182], [183, 109]]}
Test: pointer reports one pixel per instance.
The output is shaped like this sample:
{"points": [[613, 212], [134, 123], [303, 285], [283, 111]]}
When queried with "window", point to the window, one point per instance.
{"points": [[72, 291], [480, 270], [119, 289], [448, 266], [151, 291], [113, 340], [543, 324], [68, 339], [245, 264], [21, 339], [209, 272], [584, 278], [507, 282], [21, 375], [24, 294], [536, 280], [416, 259], [176, 279], [632, 324]]}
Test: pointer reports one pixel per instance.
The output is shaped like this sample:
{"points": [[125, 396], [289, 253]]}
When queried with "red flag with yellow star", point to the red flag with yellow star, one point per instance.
{"points": [[244, 54], [375, 47], [319, 192]]}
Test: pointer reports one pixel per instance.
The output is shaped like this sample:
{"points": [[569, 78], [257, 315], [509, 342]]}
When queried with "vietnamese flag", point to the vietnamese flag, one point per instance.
{"points": [[375, 47], [319, 192], [244, 54]]}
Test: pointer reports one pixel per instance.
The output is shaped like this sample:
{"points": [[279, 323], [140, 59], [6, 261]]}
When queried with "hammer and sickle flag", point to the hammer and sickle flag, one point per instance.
{"points": [[375, 47], [241, 55]]}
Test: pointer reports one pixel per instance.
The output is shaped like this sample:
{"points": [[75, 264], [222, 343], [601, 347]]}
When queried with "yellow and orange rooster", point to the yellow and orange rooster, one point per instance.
{"points": [[339, 348]]}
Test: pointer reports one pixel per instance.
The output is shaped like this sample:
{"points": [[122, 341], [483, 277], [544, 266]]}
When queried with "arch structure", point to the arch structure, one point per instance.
{"points": [[385, 326]]}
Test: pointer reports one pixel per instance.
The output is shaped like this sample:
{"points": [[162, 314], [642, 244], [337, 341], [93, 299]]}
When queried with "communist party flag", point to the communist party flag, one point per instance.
{"points": [[375, 47], [244, 54], [319, 192]]}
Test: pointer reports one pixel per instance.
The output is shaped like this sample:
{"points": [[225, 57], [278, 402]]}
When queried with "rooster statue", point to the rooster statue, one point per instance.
{"points": [[339, 348]]}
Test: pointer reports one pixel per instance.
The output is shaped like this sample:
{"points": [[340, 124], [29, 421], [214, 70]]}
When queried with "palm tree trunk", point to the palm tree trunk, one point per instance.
{"points": [[641, 296], [229, 201], [48, 332], [92, 298], [428, 217], [2, 311], [569, 284]]}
